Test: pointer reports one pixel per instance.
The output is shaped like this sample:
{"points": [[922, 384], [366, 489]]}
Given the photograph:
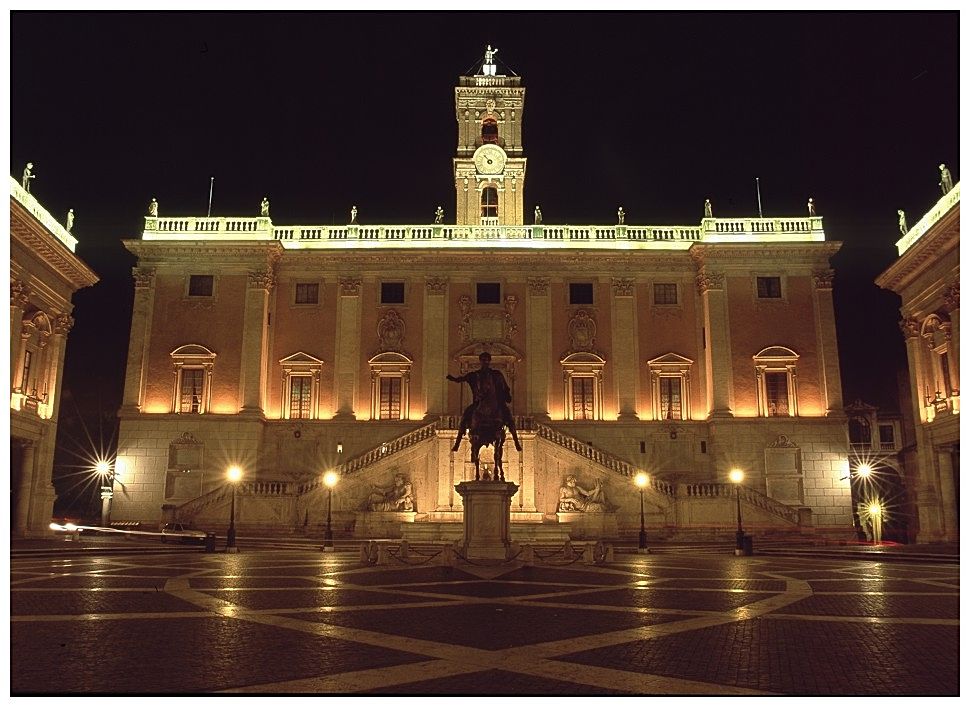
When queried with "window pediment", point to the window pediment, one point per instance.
{"points": [[301, 358], [583, 358], [776, 354], [193, 351], [670, 361]]}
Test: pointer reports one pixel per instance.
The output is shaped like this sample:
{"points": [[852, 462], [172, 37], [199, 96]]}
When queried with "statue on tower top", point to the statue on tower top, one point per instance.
{"points": [[488, 68]]}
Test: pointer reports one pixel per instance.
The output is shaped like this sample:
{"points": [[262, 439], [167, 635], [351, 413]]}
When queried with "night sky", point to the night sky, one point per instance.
{"points": [[319, 111]]}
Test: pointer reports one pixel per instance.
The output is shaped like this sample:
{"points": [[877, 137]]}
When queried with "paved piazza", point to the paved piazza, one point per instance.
{"points": [[281, 621]]}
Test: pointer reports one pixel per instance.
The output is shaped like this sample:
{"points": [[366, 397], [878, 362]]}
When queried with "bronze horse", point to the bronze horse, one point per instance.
{"points": [[487, 427]]}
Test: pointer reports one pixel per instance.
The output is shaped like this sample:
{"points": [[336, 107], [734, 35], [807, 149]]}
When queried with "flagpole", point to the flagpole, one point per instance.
{"points": [[211, 180], [757, 184]]}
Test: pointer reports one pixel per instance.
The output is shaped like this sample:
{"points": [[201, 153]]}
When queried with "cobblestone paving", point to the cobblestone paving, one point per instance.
{"points": [[298, 621]]}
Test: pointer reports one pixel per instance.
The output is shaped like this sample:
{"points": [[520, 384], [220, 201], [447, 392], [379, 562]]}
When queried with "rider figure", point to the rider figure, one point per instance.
{"points": [[482, 382]]}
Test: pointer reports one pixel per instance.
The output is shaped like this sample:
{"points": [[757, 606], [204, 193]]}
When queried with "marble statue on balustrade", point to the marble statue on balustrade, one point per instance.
{"points": [[153, 208], [946, 181], [903, 228], [811, 206], [620, 216], [396, 498], [70, 220], [574, 498], [488, 67], [708, 209], [264, 207], [353, 214], [538, 216], [439, 215], [28, 176]]}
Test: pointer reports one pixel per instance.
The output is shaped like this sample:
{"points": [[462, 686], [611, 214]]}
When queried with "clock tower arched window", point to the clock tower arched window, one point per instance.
{"points": [[489, 206], [490, 130]]}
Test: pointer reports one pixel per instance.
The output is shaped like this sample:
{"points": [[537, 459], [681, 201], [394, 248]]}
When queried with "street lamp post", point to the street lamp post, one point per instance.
{"points": [[875, 514], [641, 481], [234, 474], [103, 469], [330, 480], [737, 476]]}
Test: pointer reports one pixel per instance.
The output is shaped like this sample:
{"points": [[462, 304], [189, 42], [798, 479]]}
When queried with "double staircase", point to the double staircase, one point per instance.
{"points": [[679, 502]]}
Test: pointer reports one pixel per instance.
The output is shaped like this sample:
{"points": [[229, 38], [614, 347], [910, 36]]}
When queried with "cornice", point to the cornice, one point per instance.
{"points": [[944, 236], [35, 238], [743, 254], [267, 253]]}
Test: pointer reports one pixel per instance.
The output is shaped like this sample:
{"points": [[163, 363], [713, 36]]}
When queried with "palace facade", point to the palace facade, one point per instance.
{"points": [[926, 276], [44, 275], [681, 351]]}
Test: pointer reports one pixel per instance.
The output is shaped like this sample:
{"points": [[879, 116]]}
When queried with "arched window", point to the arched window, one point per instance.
{"points": [[943, 375], [489, 130], [193, 378], [777, 393], [390, 374], [582, 375], [489, 206]]}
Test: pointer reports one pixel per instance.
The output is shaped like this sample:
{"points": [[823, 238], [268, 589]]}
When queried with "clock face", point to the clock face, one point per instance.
{"points": [[489, 159]]}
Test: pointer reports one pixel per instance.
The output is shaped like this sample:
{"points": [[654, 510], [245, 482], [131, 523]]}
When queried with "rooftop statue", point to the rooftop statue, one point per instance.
{"points": [[620, 216], [153, 208], [488, 414], [28, 175], [264, 207], [488, 68], [439, 215], [946, 181], [708, 209], [353, 214], [811, 206], [70, 220], [902, 222], [538, 216]]}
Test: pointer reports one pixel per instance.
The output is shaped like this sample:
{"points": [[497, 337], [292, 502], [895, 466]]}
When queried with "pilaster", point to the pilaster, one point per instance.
{"points": [[251, 382], [140, 338], [434, 364], [24, 490], [717, 355], [625, 349], [57, 348], [347, 363], [19, 300], [949, 517], [828, 353], [538, 347]]}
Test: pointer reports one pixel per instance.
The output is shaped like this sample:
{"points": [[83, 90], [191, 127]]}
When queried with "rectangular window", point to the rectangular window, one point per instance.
{"points": [[580, 293], [307, 293], [665, 293], [489, 293], [200, 285], [25, 376], [582, 389], [300, 387], [670, 398], [769, 288], [776, 392], [190, 390], [390, 403], [392, 293], [945, 370], [887, 437]]}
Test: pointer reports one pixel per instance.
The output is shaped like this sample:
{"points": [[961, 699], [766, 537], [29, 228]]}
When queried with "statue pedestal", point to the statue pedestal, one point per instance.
{"points": [[487, 507], [590, 526], [382, 524]]}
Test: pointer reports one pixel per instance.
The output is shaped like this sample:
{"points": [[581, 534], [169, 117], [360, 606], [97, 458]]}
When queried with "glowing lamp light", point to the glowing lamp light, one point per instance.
{"points": [[864, 470], [102, 467], [641, 479], [736, 476], [875, 509], [330, 479], [234, 473]]}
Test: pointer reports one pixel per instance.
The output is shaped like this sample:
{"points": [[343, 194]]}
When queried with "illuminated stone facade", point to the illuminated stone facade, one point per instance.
{"points": [[927, 278], [44, 275], [683, 351]]}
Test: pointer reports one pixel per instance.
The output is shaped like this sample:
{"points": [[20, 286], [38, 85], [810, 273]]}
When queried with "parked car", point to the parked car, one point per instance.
{"points": [[177, 532]]}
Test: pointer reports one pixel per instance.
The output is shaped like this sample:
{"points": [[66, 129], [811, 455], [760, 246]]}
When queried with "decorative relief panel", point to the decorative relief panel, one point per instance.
{"points": [[261, 280], [623, 287], [185, 453], [144, 277], [390, 331], [19, 294], [951, 297], [350, 286], [487, 324], [582, 331], [823, 279], [538, 285], [709, 280]]}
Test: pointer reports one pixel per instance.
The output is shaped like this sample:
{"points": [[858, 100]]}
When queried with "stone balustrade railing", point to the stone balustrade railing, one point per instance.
{"points": [[940, 208], [748, 495], [29, 202], [539, 236]]}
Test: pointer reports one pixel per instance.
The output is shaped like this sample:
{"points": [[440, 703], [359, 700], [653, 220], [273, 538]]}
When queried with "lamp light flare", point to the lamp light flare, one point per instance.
{"points": [[234, 473], [736, 476], [330, 479], [864, 470], [102, 467], [641, 479], [875, 509]]}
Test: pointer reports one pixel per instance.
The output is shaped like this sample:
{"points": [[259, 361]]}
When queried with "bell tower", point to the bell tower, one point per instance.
{"points": [[489, 162]]}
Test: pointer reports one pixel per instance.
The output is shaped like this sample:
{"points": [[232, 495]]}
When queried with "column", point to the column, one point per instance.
{"points": [[60, 328], [951, 302], [950, 525], [538, 352], [434, 364], [25, 487], [917, 381], [140, 338], [19, 300], [717, 355], [828, 353], [625, 349], [347, 357], [254, 331]]}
